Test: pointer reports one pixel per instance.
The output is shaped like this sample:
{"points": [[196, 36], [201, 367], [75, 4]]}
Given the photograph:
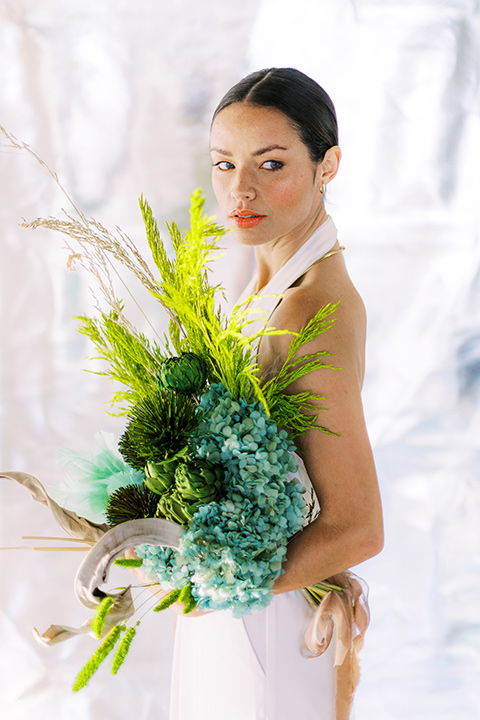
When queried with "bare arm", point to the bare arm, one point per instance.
{"points": [[342, 471], [349, 527]]}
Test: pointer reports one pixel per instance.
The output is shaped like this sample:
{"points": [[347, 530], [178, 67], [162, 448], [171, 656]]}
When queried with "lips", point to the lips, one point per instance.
{"points": [[246, 218]]}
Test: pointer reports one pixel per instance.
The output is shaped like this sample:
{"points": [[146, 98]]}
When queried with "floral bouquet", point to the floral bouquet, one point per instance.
{"points": [[203, 481]]}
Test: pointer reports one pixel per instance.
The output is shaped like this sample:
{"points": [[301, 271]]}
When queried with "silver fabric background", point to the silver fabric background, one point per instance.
{"points": [[117, 97]]}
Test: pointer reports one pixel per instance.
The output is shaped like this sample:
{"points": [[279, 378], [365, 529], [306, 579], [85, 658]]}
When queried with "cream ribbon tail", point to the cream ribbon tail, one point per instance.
{"points": [[344, 617]]}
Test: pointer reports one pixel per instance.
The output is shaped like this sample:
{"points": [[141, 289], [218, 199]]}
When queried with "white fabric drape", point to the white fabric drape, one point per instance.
{"points": [[117, 97]]}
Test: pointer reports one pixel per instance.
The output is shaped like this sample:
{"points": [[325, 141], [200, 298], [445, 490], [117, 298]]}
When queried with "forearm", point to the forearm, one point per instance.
{"points": [[322, 550]]}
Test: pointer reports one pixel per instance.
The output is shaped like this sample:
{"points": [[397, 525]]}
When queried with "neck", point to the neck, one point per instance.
{"points": [[271, 257]]}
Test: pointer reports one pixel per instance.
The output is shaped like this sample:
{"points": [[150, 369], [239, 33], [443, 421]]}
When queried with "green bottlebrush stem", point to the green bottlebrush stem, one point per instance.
{"points": [[167, 601], [185, 594], [186, 374], [92, 665], [122, 650], [98, 620], [128, 562], [187, 599], [189, 606]]}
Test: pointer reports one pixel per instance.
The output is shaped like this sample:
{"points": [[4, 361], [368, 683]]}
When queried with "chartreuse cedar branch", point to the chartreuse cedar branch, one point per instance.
{"points": [[181, 285]]}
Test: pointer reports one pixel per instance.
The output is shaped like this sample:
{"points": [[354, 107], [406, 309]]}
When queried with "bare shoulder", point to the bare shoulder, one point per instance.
{"points": [[327, 283]]}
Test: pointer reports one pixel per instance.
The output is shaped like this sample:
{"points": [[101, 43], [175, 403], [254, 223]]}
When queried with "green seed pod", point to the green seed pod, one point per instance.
{"points": [[160, 476], [186, 374], [172, 507], [199, 481], [196, 482]]}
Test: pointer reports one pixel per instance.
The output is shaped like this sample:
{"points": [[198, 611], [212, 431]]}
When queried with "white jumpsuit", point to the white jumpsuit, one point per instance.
{"points": [[252, 668]]}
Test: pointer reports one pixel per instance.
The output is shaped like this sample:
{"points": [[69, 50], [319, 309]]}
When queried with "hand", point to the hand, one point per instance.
{"points": [[157, 589]]}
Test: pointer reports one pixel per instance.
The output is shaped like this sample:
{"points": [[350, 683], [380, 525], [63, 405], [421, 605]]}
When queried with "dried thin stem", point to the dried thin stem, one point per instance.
{"points": [[61, 539], [17, 144], [96, 244], [49, 549]]}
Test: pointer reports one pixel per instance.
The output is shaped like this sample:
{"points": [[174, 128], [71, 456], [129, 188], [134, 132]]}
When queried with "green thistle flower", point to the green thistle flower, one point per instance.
{"points": [[186, 374], [158, 428], [131, 502]]}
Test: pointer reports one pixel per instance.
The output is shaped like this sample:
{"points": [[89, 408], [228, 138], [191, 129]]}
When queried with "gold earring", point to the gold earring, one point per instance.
{"points": [[323, 188]]}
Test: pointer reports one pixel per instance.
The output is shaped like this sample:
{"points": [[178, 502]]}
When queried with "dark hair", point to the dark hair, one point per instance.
{"points": [[297, 96]]}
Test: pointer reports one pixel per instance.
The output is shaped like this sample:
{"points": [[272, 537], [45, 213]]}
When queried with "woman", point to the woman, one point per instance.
{"points": [[274, 150]]}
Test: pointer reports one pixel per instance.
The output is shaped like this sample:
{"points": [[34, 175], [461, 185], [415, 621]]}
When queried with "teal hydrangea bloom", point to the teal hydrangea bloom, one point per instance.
{"points": [[233, 549]]}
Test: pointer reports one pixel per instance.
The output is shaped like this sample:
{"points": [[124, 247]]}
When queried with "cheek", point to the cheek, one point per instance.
{"points": [[219, 189], [290, 193]]}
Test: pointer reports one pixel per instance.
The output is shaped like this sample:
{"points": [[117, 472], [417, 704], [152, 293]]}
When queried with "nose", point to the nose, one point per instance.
{"points": [[243, 187]]}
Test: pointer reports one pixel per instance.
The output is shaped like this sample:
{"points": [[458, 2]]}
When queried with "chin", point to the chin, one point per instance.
{"points": [[247, 237]]}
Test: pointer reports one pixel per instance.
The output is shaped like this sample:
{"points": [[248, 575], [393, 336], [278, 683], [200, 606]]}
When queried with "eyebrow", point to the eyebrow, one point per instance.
{"points": [[262, 151]]}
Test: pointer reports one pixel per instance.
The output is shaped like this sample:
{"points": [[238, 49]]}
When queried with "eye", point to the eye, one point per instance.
{"points": [[224, 165], [272, 165]]}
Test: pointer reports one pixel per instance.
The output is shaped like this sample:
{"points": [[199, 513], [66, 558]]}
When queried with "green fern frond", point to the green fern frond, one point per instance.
{"points": [[153, 236], [184, 290], [131, 359], [196, 324], [299, 412]]}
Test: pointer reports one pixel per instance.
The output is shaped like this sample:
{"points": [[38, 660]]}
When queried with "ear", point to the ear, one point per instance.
{"points": [[328, 168]]}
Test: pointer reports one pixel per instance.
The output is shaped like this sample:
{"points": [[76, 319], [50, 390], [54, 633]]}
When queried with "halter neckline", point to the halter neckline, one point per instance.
{"points": [[319, 246]]}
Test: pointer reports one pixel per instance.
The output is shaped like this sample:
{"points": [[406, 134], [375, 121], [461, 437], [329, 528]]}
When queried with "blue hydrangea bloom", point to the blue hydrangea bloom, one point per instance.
{"points": [[232, 551]]}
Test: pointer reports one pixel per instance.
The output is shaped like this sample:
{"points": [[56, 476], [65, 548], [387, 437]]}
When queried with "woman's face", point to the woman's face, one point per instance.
{"points": [[263, 177]]}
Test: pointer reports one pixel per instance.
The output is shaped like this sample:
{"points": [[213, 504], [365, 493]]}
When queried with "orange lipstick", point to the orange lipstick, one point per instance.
{"points": [[246, 218]]}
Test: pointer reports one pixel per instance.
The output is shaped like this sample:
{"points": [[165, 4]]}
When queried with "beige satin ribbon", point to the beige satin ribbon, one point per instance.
{"points": [[108, 543], [346, 616], [341, 616]]}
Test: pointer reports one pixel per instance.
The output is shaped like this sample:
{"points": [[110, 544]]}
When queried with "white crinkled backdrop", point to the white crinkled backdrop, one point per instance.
{"points": [[116, 97]]}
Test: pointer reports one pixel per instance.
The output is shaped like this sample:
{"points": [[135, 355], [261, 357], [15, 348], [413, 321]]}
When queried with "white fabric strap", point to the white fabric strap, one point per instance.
{"points": [[317, 245]]}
